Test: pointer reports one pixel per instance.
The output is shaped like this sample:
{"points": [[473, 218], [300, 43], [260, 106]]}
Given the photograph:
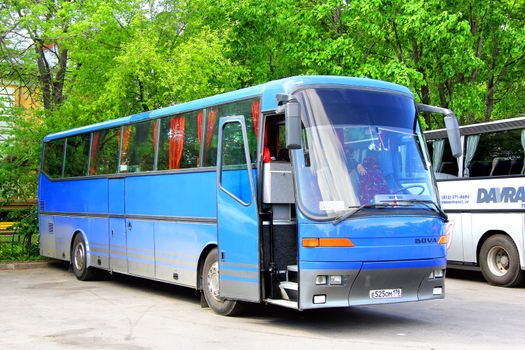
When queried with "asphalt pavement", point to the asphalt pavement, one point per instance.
{"points": [[48, 308]]}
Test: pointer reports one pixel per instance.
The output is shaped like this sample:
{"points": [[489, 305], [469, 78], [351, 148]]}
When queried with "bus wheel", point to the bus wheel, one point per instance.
{"points": [[79, 260], [210, 286], [500, 262]]}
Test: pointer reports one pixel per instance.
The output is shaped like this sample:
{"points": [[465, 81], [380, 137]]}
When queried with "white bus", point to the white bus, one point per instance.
{"points": [[483, 192]]}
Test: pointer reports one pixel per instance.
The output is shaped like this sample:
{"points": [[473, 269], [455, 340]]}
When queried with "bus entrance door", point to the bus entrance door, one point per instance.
{"points": [[237, 215]]}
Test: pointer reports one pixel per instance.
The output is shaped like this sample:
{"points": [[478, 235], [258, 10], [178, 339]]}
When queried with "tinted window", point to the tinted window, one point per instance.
{"points": [[179, 142], [332, 106], [53, 158], [138, 147], [494, 154], [104, 152], [250, 109], [77, 155]]}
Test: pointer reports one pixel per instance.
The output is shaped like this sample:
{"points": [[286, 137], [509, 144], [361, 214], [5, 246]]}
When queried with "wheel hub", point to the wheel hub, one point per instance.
{"points": [[498, 261], [213, 281], [79, 257]]}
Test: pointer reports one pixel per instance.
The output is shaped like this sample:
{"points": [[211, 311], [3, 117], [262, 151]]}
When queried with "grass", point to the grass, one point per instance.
{"points": [[19, 251]]}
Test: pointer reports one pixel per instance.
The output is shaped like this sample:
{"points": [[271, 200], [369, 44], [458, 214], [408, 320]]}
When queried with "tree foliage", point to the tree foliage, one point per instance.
{"points": [[93, 60]]}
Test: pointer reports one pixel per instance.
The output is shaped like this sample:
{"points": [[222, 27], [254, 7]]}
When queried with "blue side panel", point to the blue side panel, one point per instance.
{"points": [[178, 247], [385, 238], [77, 196], [116, 196], [181, 195]]}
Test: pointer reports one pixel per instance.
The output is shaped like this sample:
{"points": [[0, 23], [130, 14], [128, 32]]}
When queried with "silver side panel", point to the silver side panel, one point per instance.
{"points": [[47, 236]]}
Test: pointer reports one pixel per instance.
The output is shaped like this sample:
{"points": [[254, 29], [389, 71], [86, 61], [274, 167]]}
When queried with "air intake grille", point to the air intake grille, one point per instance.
{"points": [[41, 205], [50, 227]]}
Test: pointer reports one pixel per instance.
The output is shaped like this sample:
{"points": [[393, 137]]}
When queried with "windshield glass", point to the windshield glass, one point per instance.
{"points": [[359, 147]]}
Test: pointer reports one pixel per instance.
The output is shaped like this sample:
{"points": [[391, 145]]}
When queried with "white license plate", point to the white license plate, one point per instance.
{"points": [[386, 293]]}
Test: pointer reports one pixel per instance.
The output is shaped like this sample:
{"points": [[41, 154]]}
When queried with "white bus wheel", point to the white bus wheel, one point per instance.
{"points": [[499, 261]]}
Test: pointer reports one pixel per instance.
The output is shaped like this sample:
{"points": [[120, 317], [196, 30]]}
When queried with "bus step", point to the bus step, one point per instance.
{"points": [[289, 290], [291, 271], [281, 302]]}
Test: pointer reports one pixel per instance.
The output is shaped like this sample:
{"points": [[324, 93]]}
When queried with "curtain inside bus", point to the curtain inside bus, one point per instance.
{"points": [[472, 144], [176, 142], [437, 155]]}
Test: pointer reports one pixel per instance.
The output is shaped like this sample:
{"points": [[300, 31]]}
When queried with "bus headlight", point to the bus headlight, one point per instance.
{"points": [[439, 273], [320, 280], [336, 280]]}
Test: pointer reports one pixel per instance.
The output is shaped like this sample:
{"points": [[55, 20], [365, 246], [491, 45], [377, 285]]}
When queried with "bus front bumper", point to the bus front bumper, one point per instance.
{"points": [[368, 283]]}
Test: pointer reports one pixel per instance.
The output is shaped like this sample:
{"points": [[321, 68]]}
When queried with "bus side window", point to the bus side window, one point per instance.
{"points": [[138, 152], [104, 152], [250, 109], [444, 164], [495, 153], [179, 141], [210, 138], [53, 157], [77, 155]]}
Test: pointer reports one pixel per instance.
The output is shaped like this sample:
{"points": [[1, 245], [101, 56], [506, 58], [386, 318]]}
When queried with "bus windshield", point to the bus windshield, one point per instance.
{"points": [[360, 148]]}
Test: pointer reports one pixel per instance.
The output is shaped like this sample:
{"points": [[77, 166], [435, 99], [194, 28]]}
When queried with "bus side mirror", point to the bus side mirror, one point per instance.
{"points": [[454, 138], [451, 123], [293, 124]]}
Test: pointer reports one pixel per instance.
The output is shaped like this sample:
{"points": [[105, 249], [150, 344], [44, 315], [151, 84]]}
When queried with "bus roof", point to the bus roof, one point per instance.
{"points": [[267, 90], [480, 128]]}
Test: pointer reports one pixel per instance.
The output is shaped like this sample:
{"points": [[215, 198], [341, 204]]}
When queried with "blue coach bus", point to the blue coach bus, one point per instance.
{"points": [[306, 192]]}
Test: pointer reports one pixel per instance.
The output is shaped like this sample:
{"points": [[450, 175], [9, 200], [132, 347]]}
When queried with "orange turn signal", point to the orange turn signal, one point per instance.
{"points": [[310, 242], [443, 239], [327, 242]]}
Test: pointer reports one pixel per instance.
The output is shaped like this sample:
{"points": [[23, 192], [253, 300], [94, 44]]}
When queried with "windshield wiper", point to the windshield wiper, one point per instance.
{"points": [[357, 209], [426, 202]]}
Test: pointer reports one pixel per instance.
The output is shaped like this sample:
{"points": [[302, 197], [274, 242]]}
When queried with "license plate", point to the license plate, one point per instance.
{"points": [[386, 293]]}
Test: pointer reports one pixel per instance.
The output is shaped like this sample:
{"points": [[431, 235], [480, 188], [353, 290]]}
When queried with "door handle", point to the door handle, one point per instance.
{"points": [[130, 226]]}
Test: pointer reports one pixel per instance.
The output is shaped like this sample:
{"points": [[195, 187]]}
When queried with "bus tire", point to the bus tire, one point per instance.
{"points": [[210, 287], [79, 260], [500, 261]]}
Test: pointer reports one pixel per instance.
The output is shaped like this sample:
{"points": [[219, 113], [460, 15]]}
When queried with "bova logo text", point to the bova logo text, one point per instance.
{"points": [[501, 195]]}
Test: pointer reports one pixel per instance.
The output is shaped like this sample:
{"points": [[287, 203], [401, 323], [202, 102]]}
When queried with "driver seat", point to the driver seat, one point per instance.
{"points": [[373, 182]]}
